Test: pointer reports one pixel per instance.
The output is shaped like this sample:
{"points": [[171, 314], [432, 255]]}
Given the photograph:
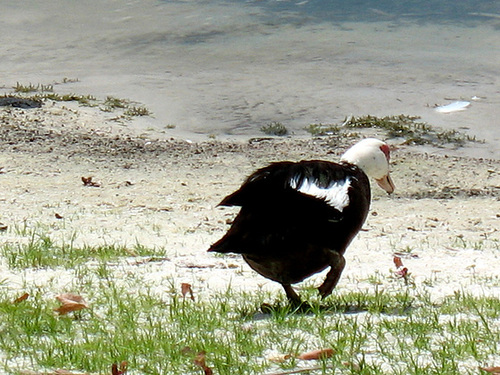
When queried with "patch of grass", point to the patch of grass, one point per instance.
{"points": [[377, 331], [274, 128], [39, 250]]}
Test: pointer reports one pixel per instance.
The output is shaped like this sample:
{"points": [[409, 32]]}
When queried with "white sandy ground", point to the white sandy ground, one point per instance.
{"points": [[445, 212], [444, 216]]}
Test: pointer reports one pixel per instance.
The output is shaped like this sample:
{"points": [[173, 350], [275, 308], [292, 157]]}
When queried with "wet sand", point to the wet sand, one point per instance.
{"points": [[225, 70]]}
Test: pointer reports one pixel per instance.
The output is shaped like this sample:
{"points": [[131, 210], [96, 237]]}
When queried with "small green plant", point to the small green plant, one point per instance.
{"points": [[112, 103], [136, 111], [20, 88], [274, 128]]}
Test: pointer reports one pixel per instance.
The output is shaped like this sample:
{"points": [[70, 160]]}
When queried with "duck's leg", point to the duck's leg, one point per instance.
{"points": [[337, 264], [292, 295]]}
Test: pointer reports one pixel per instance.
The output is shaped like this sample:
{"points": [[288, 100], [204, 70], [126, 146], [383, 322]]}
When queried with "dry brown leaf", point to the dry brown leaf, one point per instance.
{"points": [[317, 354], [70, 302], [87, 181], [199, 360], [119, 370], [186, 289], [22, 298], [402, 272], [398, 262], [491, 370]]}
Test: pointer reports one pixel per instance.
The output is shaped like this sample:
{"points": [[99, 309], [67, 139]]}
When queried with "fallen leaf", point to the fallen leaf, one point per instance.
{"points": [[185, 289], [199, 360], [317, 354], [70, 302], [87, 181], [402, 272], [21, 298], [491, 370], [119, 370], [398, 262]]}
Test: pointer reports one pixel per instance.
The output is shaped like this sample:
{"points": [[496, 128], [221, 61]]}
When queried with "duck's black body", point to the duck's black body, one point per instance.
{"points": [[297, 219]]}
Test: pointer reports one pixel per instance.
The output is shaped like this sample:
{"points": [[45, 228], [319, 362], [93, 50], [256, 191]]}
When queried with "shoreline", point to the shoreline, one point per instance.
{"points": [[223, 70]]}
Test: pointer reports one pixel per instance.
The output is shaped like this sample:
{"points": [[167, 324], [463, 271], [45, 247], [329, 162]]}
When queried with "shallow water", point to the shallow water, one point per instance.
{"points": [[226, 68]]}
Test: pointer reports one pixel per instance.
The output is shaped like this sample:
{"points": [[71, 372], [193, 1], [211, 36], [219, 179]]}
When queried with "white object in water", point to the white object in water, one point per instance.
{"points": [[453, 107]]}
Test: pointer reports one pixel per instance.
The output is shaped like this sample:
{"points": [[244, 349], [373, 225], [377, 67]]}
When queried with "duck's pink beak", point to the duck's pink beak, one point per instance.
{"points": [[386, 183]]}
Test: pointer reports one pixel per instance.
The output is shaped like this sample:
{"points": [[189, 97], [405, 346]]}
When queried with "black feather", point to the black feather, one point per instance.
{"points": [[286, 235]]}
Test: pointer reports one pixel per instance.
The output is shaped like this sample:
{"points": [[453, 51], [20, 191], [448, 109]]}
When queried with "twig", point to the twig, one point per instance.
{"points": [[299, 371]]}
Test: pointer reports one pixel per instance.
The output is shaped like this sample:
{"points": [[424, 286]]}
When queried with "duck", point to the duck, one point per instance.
{"points": [[297, 219]]}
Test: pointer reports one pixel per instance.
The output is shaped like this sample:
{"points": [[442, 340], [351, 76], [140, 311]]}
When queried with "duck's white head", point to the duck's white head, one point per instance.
{"points": [[372, 156]]}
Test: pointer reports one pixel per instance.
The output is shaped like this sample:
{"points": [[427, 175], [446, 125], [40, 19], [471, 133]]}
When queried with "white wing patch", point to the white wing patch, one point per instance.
{"points": [[334, 195]]}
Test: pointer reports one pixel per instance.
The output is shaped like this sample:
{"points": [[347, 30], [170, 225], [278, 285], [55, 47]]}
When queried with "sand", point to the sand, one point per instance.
{"points": [[228, 68], [443, 218]]}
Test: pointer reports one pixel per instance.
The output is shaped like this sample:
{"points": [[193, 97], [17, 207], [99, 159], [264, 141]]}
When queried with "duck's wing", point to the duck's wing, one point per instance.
{"points": [[291, 205]]}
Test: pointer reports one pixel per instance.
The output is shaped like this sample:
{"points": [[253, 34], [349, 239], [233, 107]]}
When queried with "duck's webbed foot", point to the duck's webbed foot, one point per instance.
{"points": [[337, 264]]}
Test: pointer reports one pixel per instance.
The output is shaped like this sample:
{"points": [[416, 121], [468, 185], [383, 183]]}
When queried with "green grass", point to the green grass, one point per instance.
{"points": [[378, 331], [387, 328], [39, 250], [161, 333]]}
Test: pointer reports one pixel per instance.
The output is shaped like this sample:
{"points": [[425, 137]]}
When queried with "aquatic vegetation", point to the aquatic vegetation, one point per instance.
{"points": [[274, 128], [32, 88], [409, 128], [137, 111], [33, 96]]}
